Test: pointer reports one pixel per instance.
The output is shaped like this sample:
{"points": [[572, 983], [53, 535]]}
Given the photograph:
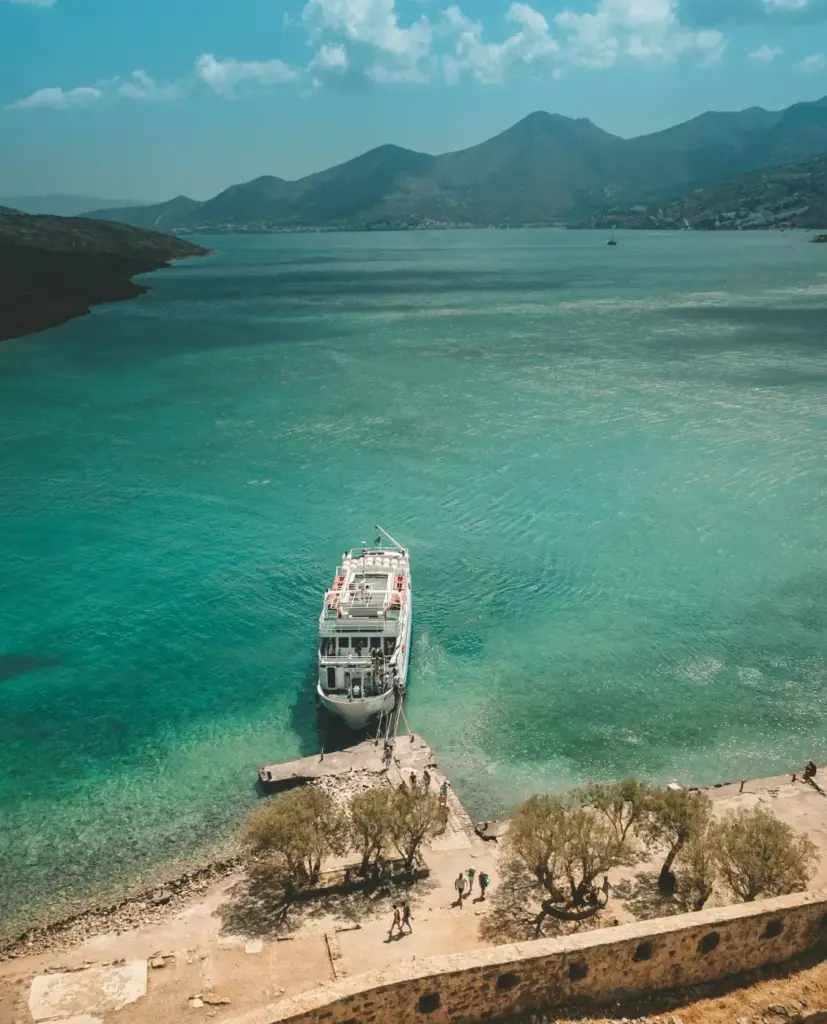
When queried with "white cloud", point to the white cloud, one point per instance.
{"points": [[813, 64], [373, 22], [785, 5], [766, 54], [57, 99], [642, 30], [224, 75], [140, 86], [491, 63], [330, 58], [379, 46], [33, 3]]}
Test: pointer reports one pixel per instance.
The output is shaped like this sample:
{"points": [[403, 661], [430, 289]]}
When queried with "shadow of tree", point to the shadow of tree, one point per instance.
{"points": [[642, 897], [258, 906], [516, 911]]}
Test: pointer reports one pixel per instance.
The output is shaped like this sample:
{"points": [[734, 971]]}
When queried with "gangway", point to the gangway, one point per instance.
{"points": [[389, 722]]}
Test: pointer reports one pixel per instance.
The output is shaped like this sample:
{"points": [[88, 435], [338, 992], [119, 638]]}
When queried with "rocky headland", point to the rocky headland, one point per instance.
{"points": [[53, 269]]}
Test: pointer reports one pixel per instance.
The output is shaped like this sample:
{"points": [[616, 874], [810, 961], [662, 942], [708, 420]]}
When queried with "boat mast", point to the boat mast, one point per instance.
{"points": [[394, 542]]}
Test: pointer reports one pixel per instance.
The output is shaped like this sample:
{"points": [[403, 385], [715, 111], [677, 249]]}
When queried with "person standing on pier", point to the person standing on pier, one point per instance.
{"points": [[443, 792]]}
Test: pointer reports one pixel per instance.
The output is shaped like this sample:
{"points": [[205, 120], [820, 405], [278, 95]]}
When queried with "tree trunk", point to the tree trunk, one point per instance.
{"points": [[665, 883], [700, 901]]}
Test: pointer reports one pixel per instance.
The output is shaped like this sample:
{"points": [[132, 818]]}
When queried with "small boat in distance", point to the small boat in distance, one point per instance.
{"points": [[612, 240], [365, 633]]}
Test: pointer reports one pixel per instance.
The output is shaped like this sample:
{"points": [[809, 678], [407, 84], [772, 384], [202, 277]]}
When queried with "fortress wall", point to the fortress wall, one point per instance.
{"points": [[599, 967]]}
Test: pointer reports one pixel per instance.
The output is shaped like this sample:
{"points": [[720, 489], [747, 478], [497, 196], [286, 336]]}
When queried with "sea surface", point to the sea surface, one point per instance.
{"points": [[610, 466]]}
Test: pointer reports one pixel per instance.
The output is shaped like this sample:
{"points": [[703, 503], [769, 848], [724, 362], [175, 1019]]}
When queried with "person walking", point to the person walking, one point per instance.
{"points": [[396, 923], [483, 884], [406, 918], [459, 885], [426, 779], [443, 792], [471, 872]]}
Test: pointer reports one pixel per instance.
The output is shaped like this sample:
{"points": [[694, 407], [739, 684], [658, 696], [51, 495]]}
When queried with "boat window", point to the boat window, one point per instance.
{"points": [[375, 643], [390, 643], [360, 643], [327, 646], [331, 678], [344, 641]]}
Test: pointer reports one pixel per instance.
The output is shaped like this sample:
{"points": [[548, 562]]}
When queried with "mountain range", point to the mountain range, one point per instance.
{"points": [[58, 205], [545, 169]]}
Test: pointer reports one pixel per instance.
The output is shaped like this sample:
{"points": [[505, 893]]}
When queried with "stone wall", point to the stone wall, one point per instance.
{"points": [[597, 967]]}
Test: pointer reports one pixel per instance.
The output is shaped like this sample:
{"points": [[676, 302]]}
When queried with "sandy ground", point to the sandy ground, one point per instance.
{"points": [[233, 949]]}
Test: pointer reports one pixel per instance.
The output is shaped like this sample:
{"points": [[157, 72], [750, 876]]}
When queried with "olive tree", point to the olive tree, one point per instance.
{"points": [[759, 855], [418, 816], [293, 832], [673, 818], [564, 845], [535, 837], [623, 803], [371, 822], [591, 847], [697, 864]]}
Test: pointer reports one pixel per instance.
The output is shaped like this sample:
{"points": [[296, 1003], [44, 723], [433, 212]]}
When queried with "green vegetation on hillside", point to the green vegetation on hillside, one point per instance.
{"points": [[794, 196]]}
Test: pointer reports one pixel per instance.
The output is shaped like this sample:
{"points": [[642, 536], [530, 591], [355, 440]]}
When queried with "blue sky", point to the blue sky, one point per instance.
{"points": [[147, 99]]}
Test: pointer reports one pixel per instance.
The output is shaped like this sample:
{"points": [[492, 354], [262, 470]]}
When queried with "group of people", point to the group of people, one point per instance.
{"points": [[426, 784], [467, 879], [401, 920]]}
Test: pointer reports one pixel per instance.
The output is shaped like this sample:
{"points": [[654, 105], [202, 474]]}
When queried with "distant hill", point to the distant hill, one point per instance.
{"points": [[63, 206], [545, 169], [55, 268], [793, 196]]}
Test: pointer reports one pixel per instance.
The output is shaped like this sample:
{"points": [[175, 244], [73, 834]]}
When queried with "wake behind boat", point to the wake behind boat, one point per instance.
{"points": [[365, 633]]}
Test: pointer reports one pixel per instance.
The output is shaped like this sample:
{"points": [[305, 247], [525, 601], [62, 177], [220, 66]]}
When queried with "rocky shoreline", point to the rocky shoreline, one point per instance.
{"points": [[56, 268], [148, 906]]}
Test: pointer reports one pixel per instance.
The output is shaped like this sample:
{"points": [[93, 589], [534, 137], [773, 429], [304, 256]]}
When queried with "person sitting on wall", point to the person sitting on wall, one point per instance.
{"points": [[809, 771]]}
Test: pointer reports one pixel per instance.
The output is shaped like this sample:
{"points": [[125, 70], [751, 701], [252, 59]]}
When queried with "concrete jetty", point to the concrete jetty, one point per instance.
{"points": [[410, 753]]}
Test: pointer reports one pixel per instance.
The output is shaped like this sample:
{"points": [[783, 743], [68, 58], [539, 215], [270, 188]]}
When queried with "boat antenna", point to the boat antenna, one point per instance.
{"points": [[386, 534]]}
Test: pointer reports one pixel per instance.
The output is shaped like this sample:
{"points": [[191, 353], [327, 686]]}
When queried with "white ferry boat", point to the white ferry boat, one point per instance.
{"points": [[365, 633]]}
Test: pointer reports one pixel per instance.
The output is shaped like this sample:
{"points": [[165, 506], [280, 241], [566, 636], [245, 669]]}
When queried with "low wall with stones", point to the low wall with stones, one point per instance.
{"points": [[603, 966]]}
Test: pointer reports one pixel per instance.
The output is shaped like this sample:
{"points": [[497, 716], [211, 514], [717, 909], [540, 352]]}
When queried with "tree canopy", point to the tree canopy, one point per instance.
{"points": [[296, 830], [564, 845], [759, 855], [372, 815], [418, 816], [674, 817]]}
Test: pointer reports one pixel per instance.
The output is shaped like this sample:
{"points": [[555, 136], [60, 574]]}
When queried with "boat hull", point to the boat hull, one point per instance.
{"points": [[356, 714]]}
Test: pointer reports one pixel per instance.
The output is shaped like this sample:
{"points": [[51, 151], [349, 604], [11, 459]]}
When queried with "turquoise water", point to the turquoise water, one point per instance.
{"points": [[610, 467]]}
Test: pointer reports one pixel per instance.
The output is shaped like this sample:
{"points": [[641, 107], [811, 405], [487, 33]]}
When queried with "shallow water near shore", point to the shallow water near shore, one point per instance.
{"points": [[609, 465]]}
